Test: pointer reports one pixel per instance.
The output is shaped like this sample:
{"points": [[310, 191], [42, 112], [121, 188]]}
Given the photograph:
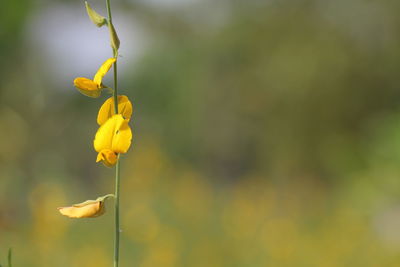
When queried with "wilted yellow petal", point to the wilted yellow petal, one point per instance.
{"points": [[107, 157], [107, 109], [115, 134], [88, 209], [87, 87], [103, 70]]}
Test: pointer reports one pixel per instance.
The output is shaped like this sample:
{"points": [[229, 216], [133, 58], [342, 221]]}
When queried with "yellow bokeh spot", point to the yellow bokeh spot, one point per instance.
{"points": [[90, 256], [164, 250], [47, 227], [280, 237], [144, 224], [192, 198]]}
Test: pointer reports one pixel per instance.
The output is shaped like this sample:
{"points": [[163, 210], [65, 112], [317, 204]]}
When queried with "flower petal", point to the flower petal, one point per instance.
{"points": [[107, 109], [108, 157], [122, 138], [87, 209], [103, 70], [87, 87], [104, 135], [115, 134]]}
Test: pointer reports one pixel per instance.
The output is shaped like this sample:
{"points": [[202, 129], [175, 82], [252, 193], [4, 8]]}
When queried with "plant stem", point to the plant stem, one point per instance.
{"points": [[115, 92], [109, 10], [115, 97], [117, 230], [9, 257]]}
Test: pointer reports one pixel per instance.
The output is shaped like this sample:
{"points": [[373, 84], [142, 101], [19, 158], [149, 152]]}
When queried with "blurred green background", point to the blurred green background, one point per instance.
{"points": [[266, 133]]}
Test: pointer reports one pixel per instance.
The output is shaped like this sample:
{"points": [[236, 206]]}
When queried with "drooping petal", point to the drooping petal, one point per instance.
{"points": [[87, 87], [108, 157], [107, 109], [87, 209], [115, 134], [103, 70]]}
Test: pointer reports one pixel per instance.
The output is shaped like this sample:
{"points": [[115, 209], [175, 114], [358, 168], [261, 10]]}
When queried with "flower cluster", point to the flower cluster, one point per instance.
{"points": [[114, 134]]}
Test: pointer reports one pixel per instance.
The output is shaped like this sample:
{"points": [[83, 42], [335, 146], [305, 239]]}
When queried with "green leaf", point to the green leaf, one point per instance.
{"points": [[95, 17]]}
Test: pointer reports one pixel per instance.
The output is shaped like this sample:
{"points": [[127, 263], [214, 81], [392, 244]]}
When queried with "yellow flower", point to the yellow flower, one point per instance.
{"points": [[92, 88], [107, 109], [87, 209], [114, 135]]}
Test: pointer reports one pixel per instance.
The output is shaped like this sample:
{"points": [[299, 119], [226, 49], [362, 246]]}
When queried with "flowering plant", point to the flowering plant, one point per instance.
{"points": [[114, 135]]}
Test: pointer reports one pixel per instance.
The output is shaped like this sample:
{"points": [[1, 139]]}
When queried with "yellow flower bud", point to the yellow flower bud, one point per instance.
{"points": [[97, 19], [107, 109]]}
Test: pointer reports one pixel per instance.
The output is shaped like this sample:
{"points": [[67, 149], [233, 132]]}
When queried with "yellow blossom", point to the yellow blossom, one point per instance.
{"points": [[92, 88], [87, 209], [114, 135], [107, 109]]}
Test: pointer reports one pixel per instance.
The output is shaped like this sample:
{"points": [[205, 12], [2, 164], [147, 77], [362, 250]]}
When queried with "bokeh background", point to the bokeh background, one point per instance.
{"points": [[266, 133]]}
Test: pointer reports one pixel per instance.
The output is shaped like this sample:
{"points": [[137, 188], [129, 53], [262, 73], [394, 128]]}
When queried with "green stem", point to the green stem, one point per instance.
{"points": [[117, 167], [117, 230], [9, 257], [115, 92], [109, 10]]}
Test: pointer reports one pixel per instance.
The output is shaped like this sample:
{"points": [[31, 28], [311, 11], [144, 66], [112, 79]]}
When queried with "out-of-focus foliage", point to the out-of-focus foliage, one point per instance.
{"points": [[266, 133]]}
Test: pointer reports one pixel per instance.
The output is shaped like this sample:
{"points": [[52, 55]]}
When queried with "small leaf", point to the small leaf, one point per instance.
{"points": [[95, 17]]}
